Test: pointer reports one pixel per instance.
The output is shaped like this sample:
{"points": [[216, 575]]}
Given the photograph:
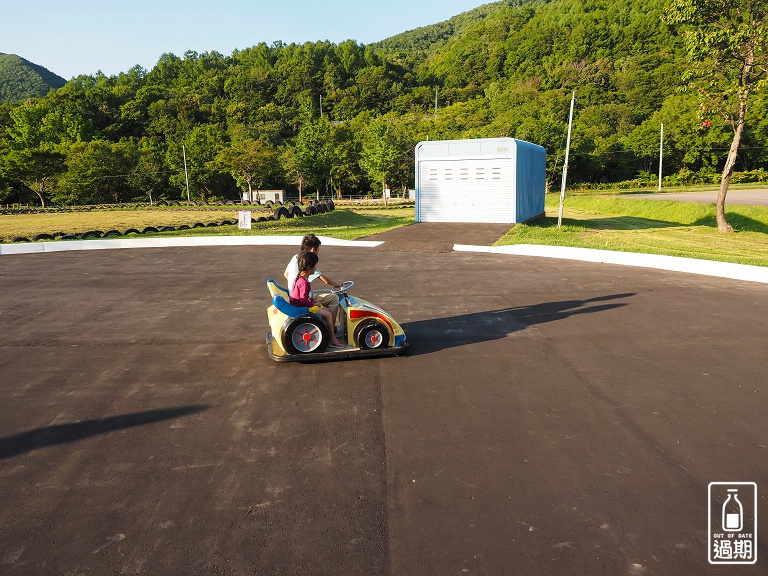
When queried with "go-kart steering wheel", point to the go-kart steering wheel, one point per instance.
{"points": [[346, 285]]}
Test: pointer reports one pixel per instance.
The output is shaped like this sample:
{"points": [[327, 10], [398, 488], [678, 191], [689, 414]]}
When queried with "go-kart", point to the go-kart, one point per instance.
{"points": [[296, 334]]}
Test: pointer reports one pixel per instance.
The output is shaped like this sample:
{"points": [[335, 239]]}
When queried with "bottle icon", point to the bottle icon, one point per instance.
{"points": [[733, 512]]}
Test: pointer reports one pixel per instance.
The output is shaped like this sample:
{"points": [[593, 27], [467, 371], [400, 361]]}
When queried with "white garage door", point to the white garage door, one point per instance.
{"points": [[466, 190]]}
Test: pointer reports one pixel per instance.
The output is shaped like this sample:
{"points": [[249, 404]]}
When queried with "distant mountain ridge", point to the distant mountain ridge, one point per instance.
{"points": [[21, 79]]}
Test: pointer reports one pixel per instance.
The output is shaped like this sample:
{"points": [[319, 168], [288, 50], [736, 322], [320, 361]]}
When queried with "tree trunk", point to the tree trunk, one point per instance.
{"points": [[39, 188], [300, 182], [725, 180]]}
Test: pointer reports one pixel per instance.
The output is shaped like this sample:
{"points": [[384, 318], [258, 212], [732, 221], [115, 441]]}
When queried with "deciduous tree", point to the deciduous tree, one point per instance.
{"points": [[727, 44]]}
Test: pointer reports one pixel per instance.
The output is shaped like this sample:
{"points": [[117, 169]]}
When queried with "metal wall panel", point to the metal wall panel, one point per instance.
{"points": [[467, 190]]}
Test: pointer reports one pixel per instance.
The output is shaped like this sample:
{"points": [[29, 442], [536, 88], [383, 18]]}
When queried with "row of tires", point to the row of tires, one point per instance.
{"points": [[269, 204], [293, 210], [280, 212], [93, 234]]}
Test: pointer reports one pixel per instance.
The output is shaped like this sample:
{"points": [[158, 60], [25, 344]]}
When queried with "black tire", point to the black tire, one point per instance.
{"points": [[259, 219], [109, 233], [167, 229], [131, 231], [149, 229], [92, 234], [184, 227], [331, 205], [321, 209], [282, 212], [296, 211], [371, 336], [43, 237], [268, 203], [305, 335]]}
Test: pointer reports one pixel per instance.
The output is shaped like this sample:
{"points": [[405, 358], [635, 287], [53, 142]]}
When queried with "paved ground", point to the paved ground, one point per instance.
{"points": [[746, 197], [552, 418]]}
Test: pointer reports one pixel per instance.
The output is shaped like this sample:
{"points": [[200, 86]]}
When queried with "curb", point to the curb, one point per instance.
{"points": [[658, 262]]}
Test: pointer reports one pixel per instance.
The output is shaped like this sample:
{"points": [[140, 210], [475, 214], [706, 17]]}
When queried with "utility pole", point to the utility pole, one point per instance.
{"points": [[435, 102], [186, 176], [565, 165], [661, 153]]}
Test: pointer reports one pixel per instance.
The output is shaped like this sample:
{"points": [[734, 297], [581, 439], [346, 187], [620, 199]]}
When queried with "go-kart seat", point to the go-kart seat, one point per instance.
{"points": [[280, 300]]}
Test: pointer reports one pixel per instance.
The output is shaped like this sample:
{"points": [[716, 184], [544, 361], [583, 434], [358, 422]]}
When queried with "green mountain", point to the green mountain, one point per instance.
{"points": [[21, 79]]}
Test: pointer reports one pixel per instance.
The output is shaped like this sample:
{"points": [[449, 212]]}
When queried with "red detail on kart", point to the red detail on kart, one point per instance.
{"points": [[305, 338], [355, 314]]}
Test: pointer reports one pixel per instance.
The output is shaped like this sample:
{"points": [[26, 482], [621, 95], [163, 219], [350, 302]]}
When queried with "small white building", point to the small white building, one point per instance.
{"points": [[271, 195], [261, 196], [497, 180]]}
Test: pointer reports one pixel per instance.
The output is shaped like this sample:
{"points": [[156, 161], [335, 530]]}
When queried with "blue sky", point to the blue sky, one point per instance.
{"points": [[85, 36]]}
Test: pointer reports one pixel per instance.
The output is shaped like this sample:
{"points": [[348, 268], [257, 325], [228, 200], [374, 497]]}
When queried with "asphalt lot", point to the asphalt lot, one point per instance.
{"points": [[553, 417]]}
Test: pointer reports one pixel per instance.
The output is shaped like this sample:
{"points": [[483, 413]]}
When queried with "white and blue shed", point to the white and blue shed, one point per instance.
{"points": [[500, 180]]}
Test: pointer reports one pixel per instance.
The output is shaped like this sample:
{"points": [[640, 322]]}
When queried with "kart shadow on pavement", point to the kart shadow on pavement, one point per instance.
{"points": [[428, 336], [66, 433]]}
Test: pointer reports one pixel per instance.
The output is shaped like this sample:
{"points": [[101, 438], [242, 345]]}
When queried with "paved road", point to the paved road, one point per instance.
{"points": [[552, 418], [745, 197]]}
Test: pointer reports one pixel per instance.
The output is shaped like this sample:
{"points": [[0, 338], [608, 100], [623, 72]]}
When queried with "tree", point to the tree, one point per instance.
{"points": [[293, 173], [38, 169], [202, 147], [97, 172], [727, 45], [314, 151], [379, 151], [250, 162], [149, 174]]}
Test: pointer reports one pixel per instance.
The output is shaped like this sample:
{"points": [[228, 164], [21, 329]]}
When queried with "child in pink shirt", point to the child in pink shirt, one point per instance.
{"points": [[307, 262]]}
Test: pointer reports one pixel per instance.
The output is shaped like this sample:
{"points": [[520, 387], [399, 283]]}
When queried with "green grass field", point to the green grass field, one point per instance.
{"points": [[618, 223], [341, 223], [651, 226]]}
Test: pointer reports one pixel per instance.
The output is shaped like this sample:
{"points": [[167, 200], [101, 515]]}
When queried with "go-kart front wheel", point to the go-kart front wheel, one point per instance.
{"points": [[372, 336], [306, 334]]}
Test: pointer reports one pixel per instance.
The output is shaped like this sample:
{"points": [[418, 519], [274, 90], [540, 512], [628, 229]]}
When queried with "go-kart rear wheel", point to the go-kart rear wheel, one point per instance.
{"points": [[372, 336], [305, 335]]}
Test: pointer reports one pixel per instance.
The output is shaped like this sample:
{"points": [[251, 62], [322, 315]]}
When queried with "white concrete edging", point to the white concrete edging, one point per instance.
{"points": [[115, 243], [670, 263]]}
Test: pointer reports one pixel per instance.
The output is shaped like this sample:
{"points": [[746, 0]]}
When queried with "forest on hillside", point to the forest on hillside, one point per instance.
{"points": [[344, 118]]}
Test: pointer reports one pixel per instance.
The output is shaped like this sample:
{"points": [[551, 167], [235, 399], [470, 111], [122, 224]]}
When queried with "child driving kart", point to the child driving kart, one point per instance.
{"points": [[328, 299], [299, 295]]}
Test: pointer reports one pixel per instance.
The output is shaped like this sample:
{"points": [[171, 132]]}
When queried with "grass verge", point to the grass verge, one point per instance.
{"points": [[622, 223], [341, 223], [671, 228]]}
